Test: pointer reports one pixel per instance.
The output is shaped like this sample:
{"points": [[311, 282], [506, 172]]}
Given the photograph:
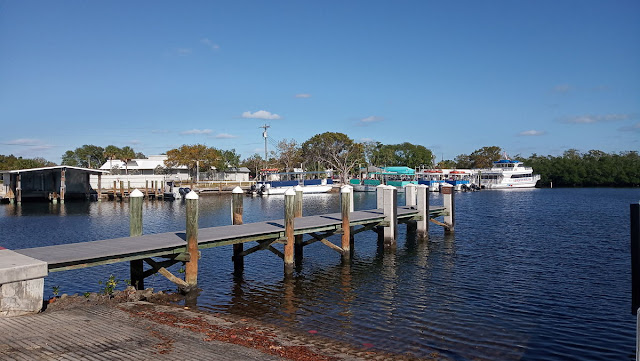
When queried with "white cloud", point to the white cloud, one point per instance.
{"points": [[590, 119], [372, 119], [562, 88], [196, 131], [532, 133], [24, 141], [303, 95], [225, 136], [364, 140], [210, 44], [261, 114]]}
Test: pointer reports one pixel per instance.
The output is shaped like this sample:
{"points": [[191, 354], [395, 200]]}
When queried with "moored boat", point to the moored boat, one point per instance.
{"points": [[273, 183], [506, 174]]}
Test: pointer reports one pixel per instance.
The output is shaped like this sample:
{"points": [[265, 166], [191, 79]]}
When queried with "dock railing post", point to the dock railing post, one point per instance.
{"points": [[135, 229], [237, 199], [450, 206], [423, 211], [345, 207], [410, 195], [390, 217], [191, 267], [289, 215], [298, 248]]}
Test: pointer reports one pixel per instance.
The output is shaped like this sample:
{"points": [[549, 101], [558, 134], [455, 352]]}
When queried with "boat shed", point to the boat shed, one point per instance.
{"points": [[48, 183]]}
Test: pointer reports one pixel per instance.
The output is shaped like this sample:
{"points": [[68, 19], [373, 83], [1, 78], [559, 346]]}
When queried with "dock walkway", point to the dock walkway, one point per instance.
{"points": [[86, 254]]}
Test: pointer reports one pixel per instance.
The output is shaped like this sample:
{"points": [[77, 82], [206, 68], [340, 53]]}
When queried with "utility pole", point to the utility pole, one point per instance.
{"points": [[264, 135]]}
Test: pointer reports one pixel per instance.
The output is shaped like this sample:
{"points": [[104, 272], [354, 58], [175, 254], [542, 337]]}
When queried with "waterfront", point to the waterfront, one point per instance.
{"points": [[531, 274]]}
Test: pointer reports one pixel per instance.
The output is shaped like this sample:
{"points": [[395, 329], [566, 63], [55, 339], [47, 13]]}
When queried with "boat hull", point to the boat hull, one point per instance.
{"points": [[305, 189]]}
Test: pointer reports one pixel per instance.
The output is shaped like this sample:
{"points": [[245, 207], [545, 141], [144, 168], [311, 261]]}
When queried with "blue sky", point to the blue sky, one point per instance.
{"points": [[528, 76]]}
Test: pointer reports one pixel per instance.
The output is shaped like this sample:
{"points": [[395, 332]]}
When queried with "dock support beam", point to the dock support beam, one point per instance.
{"points": [[345, 207], [390, 217], [289, 212], [298, 248], [237, 208], [135, 229], [423, 211], [191, 267], [450, 205]]}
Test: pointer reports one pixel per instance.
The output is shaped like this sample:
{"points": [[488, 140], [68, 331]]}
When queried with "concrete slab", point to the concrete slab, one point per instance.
{"points": [[16, 267]]}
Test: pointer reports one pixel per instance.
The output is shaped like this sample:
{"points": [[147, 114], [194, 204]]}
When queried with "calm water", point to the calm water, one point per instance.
{"points": [[529, 275]]}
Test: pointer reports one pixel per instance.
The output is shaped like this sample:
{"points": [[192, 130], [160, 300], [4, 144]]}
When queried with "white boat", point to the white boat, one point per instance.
{"points": [[507, 173], [274, 183]]}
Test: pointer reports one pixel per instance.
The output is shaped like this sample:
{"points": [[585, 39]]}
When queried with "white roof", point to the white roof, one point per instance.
{"points": [[88, 170], [150, 163]]}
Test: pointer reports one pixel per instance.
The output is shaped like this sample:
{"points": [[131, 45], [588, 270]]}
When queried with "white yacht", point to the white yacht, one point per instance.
{"points": [[507, 173]]}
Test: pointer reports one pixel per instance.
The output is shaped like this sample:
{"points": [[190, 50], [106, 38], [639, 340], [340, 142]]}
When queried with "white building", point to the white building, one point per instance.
{"points": [[154, 165]]}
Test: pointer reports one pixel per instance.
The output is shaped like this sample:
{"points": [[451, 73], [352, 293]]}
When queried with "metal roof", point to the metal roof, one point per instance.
{"points": [[87, 170]]}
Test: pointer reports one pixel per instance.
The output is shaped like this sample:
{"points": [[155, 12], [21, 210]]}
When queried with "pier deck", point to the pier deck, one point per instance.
{"points": [[86, 254]]}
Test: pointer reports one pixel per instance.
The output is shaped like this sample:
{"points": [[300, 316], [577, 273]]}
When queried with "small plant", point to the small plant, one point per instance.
{"points": [[110, 285], [87, 294], [56, 290], [181, 270]]}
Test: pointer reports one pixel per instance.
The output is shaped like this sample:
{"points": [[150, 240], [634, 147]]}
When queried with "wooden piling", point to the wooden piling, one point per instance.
{"points": [[63, 184], [449, 204], [155, 189], [115, 191], [422, 224], [135, 229], [121, 190], [146, 189], [99, 187], [635, 259], [191, 267], [410, 195], [380, 196], [298, 244], [390, 217], [19, 188], [289, 215], [345, 207], [237, 199]]}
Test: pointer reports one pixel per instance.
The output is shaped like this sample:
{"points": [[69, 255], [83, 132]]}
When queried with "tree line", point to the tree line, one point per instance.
{"points": [[336, 151]]}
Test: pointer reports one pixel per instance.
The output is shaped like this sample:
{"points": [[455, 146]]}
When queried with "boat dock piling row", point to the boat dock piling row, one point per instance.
{"points": [[22, 271]]}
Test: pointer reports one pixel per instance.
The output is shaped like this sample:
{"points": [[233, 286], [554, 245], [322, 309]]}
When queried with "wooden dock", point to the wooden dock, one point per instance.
{"points": [[86, 254]]}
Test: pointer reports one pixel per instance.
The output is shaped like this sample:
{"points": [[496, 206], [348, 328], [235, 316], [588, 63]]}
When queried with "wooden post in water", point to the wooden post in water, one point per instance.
{"points": [[289, 215], [390, 217], [450, 204], [122, 190], [298, 247], [99, 187], [410, 195], [345, 207], [146, 189], [115, 190], [423, 210], [135, 229], [635, 259], [237, 199], [191, 267], [155, 190], [63, 184], [18, 188], [380, 196]]}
